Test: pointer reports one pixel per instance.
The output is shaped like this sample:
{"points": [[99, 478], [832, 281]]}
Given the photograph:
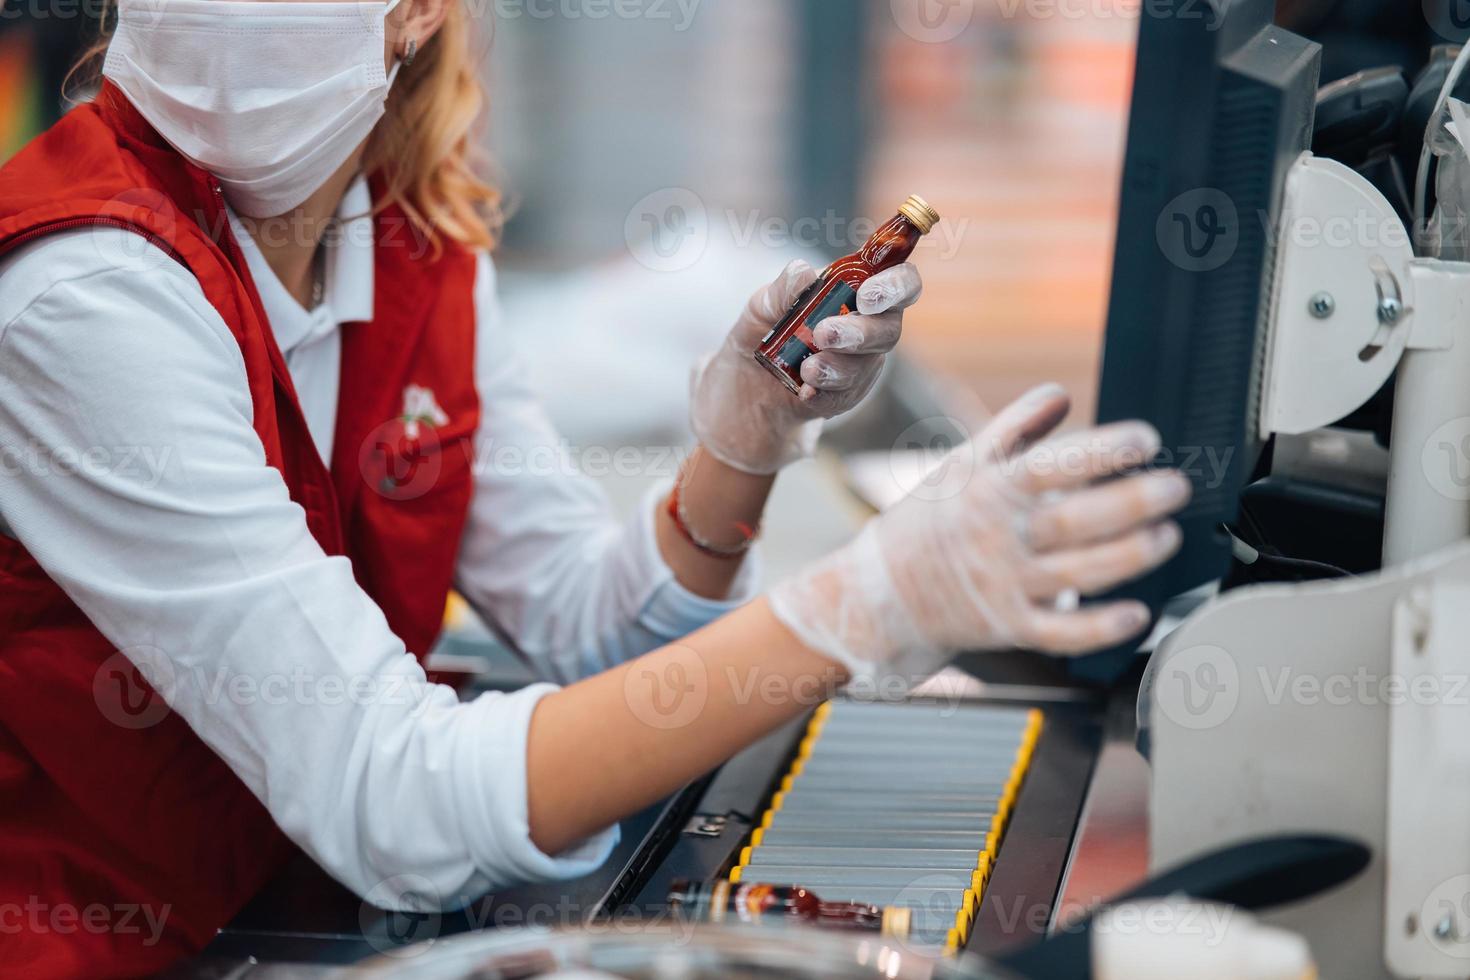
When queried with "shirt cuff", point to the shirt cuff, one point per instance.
{"points": [[498, 825], [672, 611]]}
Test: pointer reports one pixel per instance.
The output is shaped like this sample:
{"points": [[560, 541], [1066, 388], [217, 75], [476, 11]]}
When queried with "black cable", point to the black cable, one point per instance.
{"points": [[1269, 558], [1320, 569]]}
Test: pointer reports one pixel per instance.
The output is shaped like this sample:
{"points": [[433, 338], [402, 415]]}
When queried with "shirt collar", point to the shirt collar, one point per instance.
{"points": [[350, 264], [348, 293]]}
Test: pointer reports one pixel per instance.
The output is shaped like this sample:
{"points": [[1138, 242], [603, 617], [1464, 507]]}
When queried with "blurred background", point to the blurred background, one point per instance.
{"points": [[664, 158], [1007, 117], [795, 124]]}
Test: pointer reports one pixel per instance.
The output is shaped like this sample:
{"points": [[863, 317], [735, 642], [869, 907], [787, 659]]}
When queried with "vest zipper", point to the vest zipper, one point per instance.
{"points": [[71, 223]]}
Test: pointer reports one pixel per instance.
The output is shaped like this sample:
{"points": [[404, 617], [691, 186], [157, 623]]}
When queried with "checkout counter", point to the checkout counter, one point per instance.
{"points": [[1048, 766]]}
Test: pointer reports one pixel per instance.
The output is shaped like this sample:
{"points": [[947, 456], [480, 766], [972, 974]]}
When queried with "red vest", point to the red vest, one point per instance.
{"points": [[112, 819]]}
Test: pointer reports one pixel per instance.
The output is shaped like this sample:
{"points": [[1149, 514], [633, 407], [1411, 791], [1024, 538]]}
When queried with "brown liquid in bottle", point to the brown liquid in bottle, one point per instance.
{"points": [[790, 341], [748, 902]]}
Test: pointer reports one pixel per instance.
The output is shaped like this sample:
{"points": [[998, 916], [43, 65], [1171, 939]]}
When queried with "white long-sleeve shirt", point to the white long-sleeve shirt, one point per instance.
{"points": [[130, 470]]}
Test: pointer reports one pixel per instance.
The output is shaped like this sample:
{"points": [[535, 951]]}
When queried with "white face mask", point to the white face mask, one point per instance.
{"points": [[271, 97]]}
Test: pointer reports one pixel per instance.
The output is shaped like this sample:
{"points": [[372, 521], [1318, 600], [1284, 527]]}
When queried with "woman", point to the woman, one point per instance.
{"points": [[247, 430]]}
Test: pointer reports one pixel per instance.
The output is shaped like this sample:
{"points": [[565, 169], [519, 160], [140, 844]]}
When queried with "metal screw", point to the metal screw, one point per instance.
{"points": [[1322, 305], [1418, 607], [1389, 310]]}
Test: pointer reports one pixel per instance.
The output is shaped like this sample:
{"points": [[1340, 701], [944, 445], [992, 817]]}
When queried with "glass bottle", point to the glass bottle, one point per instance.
{"points": [[790, 341], [752, 901]]}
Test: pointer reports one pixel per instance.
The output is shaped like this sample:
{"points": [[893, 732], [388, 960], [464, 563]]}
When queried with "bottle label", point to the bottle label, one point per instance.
{"points": [[841, 301], [805, 298], [751, 900]]}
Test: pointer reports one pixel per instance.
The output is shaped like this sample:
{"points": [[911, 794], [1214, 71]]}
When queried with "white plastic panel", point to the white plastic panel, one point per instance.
{"points": [[1427, 912], [1270, 715]]}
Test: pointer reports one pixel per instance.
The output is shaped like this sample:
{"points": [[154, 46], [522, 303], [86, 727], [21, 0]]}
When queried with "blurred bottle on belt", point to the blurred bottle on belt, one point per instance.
{"points": [[752, 901]]}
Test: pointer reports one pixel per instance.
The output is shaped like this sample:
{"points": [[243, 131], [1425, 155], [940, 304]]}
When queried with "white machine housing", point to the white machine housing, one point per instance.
{"points": [[1344, 706]]}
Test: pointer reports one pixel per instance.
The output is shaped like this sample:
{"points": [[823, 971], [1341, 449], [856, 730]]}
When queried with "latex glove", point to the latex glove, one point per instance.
{"points": [[747, 419], [1178, 937], [978, 559]]}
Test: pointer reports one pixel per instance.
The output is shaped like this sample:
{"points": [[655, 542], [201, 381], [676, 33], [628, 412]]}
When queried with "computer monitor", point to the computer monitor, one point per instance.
{"points": [[1222, 106]]}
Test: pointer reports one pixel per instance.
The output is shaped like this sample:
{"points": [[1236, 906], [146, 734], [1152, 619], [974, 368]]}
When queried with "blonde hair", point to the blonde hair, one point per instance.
{"points": [[425, 148]]}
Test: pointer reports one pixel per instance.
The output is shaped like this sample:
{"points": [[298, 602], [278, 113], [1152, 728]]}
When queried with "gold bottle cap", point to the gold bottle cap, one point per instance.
{"points": [[917, 210], [719, 899], [896, 920]]}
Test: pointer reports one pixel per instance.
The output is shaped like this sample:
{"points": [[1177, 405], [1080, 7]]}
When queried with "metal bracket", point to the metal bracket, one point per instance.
{"points": [[705, 825], [1350, 297], [1427, 891]]}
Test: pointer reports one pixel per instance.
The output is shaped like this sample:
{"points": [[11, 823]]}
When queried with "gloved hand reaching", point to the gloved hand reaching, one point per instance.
{"points": [[745, 418], [981, 565]]}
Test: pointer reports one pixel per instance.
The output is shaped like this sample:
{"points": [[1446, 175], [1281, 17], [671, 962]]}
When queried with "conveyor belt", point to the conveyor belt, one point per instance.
{"points": [[701, 833], [897, 804], [932, 805]]}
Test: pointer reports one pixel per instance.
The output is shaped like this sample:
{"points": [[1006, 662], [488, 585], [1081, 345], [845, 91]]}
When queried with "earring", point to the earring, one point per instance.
{"points": [[409, 52]]}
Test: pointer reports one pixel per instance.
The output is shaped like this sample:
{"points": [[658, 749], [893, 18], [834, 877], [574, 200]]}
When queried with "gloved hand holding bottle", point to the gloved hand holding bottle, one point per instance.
{"points": [[746, 419], [981, 564]]}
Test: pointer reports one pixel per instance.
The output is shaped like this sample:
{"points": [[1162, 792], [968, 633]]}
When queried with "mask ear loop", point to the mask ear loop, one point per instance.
{"points": [[410, 50]]}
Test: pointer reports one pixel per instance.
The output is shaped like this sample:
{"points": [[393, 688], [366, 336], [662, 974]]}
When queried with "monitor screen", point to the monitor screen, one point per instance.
{"points": [[1222, 106]]}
